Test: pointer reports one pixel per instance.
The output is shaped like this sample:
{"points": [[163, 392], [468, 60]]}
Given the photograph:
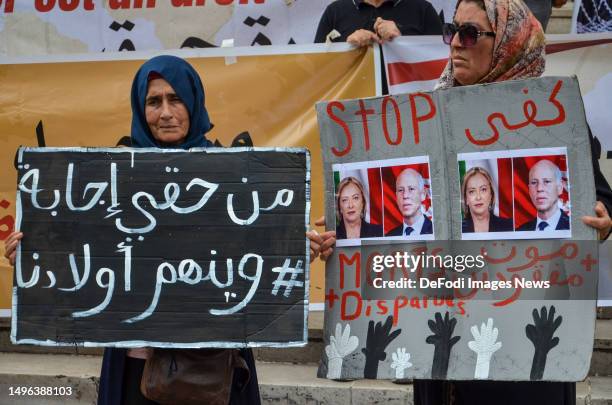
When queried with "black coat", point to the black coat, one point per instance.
{"points": [[496, 224], [426, 229], [562, 225], [367, 230]]}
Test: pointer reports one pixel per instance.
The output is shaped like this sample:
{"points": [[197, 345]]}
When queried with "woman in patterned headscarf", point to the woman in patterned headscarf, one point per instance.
{"points": [[492, 41], [497, 40]]}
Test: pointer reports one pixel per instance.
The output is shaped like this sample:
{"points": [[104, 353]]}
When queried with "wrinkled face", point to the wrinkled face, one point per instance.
{"points": [[544, 189], [478, 194], [166, 115], [351, 203], [473, 63], [408, 193]]}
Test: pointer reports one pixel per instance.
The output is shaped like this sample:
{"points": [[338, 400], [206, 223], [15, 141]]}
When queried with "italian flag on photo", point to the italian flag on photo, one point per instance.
{"points": [[501, 174], [370, 180]]}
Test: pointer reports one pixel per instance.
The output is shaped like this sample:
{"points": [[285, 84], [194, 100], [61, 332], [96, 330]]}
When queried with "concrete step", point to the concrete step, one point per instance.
{"points": [[310, 353], [76, 377], [280, 383], [604, 313], [601, 362]]}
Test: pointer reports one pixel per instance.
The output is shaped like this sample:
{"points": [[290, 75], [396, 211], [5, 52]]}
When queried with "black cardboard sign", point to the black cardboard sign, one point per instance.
{"points": [[139, 247]]}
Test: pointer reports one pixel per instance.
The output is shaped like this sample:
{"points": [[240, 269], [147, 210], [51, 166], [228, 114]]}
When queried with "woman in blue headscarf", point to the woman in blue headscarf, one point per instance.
{"points": [[167, 112]]}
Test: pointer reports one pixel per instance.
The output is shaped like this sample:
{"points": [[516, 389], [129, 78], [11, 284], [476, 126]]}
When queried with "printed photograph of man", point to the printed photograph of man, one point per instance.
{"points": [[410, 193], [546, 187]]}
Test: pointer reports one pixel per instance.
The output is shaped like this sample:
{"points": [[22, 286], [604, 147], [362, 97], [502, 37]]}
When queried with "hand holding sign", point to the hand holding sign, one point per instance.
{"points": [[10, 246], [386, 29], [321, 245]]}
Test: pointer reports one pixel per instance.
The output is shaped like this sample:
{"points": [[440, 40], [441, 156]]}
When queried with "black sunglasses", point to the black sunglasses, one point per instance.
{"points": [[468, 34]]}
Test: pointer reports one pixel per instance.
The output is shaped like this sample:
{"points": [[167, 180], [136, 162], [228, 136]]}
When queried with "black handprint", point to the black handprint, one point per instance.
{"points": [[443, 341], [541, 335], [376, 343]]}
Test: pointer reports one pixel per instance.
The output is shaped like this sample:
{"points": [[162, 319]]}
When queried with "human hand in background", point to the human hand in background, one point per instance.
{"points": [[601, 222], [362, 38], [386, 29]]}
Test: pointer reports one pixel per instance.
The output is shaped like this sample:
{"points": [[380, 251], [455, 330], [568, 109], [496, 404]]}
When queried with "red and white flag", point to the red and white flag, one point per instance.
{"points": [[413, 63]]}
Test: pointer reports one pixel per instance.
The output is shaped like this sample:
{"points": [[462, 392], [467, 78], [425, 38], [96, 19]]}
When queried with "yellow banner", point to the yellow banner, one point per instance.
{"points": [[87, 103]]}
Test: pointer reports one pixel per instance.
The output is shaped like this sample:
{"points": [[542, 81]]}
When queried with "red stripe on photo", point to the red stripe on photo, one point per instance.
{"points": [[401, 72], [504, 174], [376, 206]]}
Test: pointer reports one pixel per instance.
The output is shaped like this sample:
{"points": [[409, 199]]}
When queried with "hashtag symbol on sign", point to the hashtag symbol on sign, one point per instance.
{"points": [[280, 281]]}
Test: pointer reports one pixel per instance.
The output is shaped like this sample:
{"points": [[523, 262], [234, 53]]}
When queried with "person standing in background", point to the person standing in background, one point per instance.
{"points": [[542, 9], [365, 22]]}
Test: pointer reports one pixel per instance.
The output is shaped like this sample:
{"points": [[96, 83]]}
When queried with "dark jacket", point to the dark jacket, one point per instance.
{"points": [[496, 224], [367, 230], [562, 225], [427, 229], [112, 378], [413, 17]]}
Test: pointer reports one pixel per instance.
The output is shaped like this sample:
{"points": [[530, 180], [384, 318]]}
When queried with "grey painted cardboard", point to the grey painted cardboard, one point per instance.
{"points": [[441, 138]]}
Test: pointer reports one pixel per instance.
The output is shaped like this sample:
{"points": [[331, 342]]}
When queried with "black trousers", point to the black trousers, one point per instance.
{"points": [[132, 375], [430, 392]]}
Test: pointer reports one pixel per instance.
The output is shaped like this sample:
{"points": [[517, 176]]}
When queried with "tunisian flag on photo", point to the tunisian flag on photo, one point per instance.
{"points": [[392, 215], [524, 210]]}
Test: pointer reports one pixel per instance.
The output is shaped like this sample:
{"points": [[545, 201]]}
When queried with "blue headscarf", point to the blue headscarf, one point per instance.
{"points": [[187, 84]]}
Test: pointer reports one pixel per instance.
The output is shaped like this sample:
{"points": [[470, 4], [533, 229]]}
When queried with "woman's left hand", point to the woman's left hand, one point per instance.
{"points": [[602, 221]]}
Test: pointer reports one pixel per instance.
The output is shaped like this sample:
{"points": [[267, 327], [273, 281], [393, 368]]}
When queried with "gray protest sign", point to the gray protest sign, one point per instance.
{"points": [[461, 253]]}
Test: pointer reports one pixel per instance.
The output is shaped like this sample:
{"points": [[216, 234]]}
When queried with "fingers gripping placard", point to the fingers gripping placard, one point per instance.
{"points": [[125, 247]]}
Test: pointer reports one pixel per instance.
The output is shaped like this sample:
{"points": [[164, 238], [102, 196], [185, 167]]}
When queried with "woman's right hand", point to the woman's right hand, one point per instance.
{"points": [[321, 245], [10, 246]]}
